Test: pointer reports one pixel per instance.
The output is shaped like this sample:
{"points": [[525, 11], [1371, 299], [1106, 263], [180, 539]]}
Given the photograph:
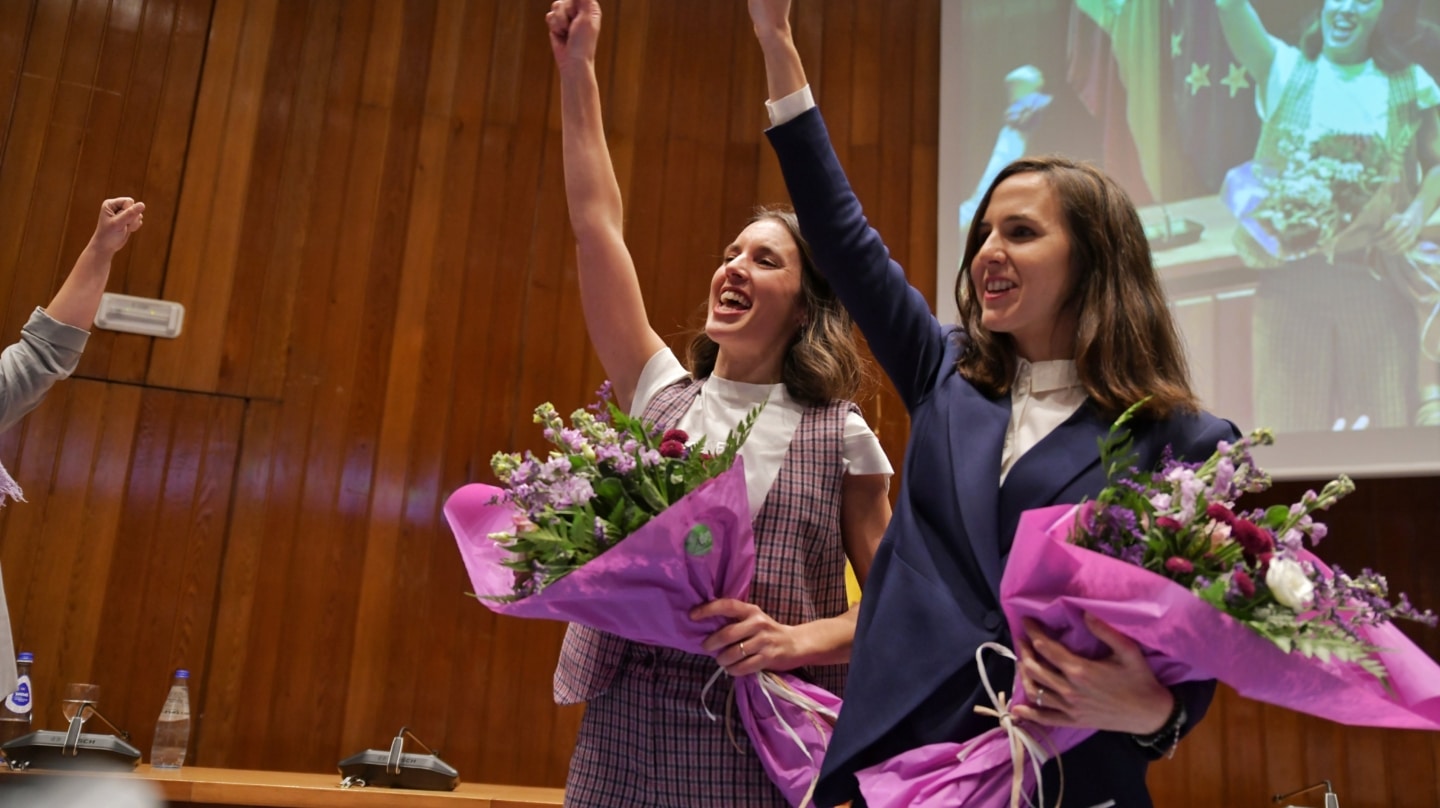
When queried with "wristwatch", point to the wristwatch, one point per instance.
{"points": [[1165, 739]]}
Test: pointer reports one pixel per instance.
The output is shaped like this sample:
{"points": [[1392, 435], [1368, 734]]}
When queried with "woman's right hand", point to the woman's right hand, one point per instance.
{"points": [[574, 29]]}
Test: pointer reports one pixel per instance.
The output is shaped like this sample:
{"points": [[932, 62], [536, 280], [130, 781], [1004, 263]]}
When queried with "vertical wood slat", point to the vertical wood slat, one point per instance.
{"points": [[375, 633], [202, 266]]}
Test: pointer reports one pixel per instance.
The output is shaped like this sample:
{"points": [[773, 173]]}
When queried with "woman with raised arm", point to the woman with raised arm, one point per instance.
{"points": [[49, 349], [1337, 339], [816, 476], [1063, 326]]}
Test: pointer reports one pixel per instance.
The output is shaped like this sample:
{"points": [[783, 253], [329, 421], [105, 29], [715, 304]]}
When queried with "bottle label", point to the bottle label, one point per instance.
{"points": [[19, 701], [177, 705]]}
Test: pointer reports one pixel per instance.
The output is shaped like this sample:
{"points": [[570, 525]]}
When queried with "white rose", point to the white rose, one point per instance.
{"points": [[1288, 581]]}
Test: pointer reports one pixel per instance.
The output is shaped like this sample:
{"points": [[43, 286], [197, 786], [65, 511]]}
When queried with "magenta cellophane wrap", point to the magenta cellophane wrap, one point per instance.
{"points": [[643, 589], [1056, 583]]}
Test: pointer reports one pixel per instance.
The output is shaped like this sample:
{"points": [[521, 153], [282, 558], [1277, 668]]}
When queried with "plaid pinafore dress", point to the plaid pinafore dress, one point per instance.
{"points": [[645, 739]]}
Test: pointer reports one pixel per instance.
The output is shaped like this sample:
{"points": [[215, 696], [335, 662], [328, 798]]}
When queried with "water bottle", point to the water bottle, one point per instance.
{"points": [[172, 731], [16, 710]]}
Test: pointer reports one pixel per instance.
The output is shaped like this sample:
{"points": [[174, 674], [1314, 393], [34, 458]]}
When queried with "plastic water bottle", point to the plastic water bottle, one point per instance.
{"points": [[16, 710], [172, 731]]}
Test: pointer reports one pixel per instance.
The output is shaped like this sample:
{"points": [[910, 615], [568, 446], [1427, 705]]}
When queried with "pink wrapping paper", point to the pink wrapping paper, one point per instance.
{"points": [[643, 589], [1056, 583]]}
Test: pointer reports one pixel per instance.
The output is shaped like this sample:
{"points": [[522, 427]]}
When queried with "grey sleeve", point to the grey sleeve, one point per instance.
{"points": [[47, 352]]}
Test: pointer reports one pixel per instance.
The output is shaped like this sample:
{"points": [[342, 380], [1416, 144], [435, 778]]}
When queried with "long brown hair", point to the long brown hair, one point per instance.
{"points": [[822, 363], [1126, 344], [1400, 37]]}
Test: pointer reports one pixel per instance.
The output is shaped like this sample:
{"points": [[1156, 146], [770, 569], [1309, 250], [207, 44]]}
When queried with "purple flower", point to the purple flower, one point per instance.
{"points": [[1224, 476], [572, 439]]}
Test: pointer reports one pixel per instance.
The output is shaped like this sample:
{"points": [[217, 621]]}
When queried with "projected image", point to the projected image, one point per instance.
{"points": [[1285, 155]]}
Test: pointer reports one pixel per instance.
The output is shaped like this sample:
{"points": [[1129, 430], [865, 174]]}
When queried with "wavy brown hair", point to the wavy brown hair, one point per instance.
{"points": [[822, 363], [1400, 37], [1126, 344]]}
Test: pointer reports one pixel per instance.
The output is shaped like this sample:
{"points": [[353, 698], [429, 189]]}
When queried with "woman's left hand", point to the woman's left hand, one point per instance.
{"points": [[752, 643], [1119, 693]]}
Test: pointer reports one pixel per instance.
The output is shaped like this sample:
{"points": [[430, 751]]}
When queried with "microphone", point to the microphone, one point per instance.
{"points": [[73, 749], [1332, 800], [395, 769]]}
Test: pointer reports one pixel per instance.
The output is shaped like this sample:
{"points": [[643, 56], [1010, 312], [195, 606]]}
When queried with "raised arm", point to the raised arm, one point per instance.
{"points": [[50, 343], [1248, 39], [609, 289], [79, 296], [902, 333], [784, 72]]}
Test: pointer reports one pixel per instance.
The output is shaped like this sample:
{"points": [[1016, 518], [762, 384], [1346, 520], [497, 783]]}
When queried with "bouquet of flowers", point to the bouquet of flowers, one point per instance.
{"points": [[1326, 197], [608, 476], [1209, 591], [625, 527]]}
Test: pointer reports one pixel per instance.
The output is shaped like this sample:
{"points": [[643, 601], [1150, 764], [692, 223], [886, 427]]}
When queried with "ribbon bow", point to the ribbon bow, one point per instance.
{"points": [[1021, 741], [773, 687]]}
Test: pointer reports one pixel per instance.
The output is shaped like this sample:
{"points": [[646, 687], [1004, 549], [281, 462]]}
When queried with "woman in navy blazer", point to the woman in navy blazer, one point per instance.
{"points": [[1063, 325]]}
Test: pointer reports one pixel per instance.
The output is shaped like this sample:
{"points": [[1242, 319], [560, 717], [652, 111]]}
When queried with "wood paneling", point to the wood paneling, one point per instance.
{"points": [[361, 205]]}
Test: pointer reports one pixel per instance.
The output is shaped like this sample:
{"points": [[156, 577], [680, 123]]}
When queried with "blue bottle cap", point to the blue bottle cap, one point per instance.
{"points": [[182, 674], [25, 656]]}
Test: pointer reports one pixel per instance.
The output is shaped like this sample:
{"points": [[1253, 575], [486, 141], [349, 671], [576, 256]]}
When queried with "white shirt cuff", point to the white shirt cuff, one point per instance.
{"points": [[790, 107]]}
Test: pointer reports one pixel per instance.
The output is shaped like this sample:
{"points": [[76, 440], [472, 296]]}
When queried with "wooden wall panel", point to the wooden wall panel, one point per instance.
{"points": [[361, 204], [112, 564]]}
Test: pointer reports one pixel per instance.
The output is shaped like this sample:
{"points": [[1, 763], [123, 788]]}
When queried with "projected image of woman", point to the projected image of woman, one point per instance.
{"points": [[1337, 339]]}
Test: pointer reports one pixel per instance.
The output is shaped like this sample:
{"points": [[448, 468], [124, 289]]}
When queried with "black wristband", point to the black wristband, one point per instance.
{"points": [[1163, 740]]}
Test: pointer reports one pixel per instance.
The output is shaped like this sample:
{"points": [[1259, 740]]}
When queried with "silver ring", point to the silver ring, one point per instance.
{"points": [[742, 649], [1040, 698]]}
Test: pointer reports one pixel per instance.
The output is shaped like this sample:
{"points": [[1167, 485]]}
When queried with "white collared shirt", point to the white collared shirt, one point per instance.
{"points": [[1044, 395], [722, 404]]}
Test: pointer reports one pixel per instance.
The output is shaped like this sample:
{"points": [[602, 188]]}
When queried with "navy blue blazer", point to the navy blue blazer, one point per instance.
{"points": [[932, 595]]}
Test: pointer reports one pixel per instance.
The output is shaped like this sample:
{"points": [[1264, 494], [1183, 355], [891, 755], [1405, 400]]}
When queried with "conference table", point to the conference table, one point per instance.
{"points": [[197, 786]]}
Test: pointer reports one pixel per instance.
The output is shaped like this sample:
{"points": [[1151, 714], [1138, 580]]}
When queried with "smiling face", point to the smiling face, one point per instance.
{"points": [[1346, 27], [755, 302], [1022, 273]]}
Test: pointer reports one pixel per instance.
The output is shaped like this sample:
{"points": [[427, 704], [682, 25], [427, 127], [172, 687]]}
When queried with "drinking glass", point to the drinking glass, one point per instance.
{"points": [[79, 698]]}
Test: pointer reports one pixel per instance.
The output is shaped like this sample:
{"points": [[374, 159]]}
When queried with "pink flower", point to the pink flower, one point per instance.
{"points": [[676, 435], [673, 448], [1167, 523], [1256, 540], [1178, 565], [1219, 533], [1220, 513], [1245, 585]]}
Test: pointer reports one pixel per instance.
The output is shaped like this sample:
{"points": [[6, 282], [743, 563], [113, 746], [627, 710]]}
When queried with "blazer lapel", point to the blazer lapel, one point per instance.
{"points": [[1042, 473], [983, 423]]}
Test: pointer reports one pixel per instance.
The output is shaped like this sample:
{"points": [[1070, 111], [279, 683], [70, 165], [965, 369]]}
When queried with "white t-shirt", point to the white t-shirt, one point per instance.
{"points": [[722, 404], [1349, 99]]}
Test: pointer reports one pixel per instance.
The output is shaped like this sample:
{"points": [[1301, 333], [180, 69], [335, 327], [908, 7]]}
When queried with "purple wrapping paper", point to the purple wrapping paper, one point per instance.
{"points": [[1056, 583], [643, 589], [1242, 192]]}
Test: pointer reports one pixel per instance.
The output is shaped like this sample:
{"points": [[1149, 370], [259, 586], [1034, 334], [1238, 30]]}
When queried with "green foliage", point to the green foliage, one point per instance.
{"points": [[605, 479]]}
